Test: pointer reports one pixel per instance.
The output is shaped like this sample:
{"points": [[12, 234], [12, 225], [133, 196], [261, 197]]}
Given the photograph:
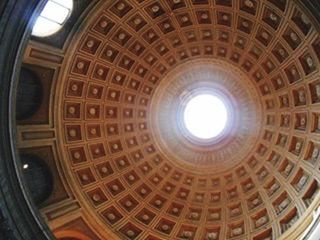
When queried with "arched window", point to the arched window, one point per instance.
{"points": [[52, 17]]}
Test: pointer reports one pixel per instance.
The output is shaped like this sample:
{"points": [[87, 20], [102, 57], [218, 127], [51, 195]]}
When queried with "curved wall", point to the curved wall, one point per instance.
{"points": [[75, 208]]}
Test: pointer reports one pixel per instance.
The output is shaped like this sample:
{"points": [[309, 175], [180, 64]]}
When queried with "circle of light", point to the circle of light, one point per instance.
{"points": [[205, 116]]}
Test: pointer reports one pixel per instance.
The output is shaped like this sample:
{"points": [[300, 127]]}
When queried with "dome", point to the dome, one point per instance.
{"points": [[113, 126]]}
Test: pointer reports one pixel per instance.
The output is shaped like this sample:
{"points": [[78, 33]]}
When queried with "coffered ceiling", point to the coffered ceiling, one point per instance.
{"points": [[133, 172]]}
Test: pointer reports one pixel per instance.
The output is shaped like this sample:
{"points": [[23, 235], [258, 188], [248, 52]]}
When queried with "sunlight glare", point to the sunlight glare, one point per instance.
{"points": [[205, 116]]}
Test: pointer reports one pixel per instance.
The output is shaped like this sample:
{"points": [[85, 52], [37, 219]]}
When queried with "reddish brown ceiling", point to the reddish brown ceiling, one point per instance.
{"points": [[127, 174]]}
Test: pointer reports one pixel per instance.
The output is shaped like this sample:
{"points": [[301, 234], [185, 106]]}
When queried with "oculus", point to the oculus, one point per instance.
{"points": [[205, 116]]}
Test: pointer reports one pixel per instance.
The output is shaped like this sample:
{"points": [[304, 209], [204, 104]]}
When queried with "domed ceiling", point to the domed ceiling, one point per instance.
{"points": [[132, 166]]}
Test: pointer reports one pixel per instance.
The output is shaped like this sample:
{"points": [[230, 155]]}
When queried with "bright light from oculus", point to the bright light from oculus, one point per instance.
{"points": [[205, 116]]}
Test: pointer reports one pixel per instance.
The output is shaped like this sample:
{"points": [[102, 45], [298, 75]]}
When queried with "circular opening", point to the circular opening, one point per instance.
{"points": [[205, 116]]}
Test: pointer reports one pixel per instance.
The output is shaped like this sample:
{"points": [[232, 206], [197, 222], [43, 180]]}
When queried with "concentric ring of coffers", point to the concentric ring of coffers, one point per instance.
{"points": [[108, 144], [244, 121]]}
